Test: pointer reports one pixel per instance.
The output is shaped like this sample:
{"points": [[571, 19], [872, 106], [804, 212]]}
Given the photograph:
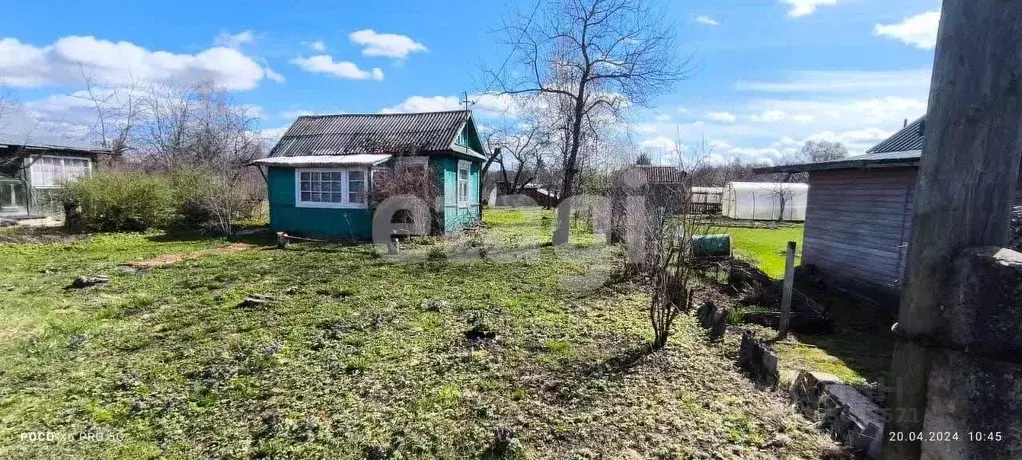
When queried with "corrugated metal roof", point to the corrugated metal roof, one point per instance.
{"points": [[49, 142], [371, 133], [909, 138], [869, 160], [661, 174], [361, 159]]}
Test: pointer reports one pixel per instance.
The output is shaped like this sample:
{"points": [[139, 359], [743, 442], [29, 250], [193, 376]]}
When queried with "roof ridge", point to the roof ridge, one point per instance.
{"points": [[384, 114]]}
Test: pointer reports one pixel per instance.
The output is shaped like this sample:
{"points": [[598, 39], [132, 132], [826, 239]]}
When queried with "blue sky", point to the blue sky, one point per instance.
{"points": [[767, 74]]}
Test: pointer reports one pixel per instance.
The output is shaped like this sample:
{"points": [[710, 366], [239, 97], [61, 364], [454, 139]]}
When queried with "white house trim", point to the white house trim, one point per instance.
{"points": [[463, 199]]}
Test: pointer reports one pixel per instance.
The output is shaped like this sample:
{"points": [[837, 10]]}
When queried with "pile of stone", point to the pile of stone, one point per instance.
{"points": [[841, 410], [759, 361]]}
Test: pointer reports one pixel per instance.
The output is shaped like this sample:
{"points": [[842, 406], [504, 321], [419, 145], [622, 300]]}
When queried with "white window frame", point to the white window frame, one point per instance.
{"points": [[344, 189], [463, 200], [36, 162]]}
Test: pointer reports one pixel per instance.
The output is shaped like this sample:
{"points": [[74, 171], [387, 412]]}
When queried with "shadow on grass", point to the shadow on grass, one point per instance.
{"points": [[862, 338]]}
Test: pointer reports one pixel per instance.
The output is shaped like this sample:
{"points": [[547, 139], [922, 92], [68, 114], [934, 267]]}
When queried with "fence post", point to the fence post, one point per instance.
{"points": [[789, 284]]}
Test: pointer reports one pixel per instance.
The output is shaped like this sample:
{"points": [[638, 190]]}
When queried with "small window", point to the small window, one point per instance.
{"points": [[463, 182], [356, 187]]}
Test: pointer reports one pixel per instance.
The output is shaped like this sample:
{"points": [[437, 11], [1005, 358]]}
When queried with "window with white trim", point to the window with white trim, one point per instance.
{"points": [[464, 173], [330, 188], [52, 171]]}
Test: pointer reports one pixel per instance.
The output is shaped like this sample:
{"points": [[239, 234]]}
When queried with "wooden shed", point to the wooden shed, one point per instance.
{"points": [[859, 215]]}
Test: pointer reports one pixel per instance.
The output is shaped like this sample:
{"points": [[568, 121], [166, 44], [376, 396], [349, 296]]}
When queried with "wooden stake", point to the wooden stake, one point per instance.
{"points": [[789, 284], [967, 175]]}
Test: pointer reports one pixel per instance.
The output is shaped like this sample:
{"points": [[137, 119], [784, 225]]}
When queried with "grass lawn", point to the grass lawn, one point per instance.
{"points": [[362, 356], [766, 246]]}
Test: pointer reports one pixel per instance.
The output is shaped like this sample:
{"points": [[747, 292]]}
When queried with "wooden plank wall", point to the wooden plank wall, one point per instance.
{"points": [[858, 223]]}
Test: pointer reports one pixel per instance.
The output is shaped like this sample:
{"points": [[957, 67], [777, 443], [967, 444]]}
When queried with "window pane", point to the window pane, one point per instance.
{"points": [[306, 186], [337, 177], [306, 176], [306, 196], [316, 186], [337, 197], [314, 197], [356, 175], [315, 176]]}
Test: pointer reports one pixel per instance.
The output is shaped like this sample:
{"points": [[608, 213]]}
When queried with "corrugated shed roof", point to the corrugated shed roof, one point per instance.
{"points": [[909, 138], [661, 174], [371, 133], [49, 142], [869, 160]]}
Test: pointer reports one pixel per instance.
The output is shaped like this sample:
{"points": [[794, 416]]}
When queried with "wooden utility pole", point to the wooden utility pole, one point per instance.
{"points": [[967, 176], [789, 285]]}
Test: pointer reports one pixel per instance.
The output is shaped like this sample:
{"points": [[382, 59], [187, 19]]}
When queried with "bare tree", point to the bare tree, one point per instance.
{"points": [[783, 193], [116, 113], [592, 58], [521, 148], [816, 151]]}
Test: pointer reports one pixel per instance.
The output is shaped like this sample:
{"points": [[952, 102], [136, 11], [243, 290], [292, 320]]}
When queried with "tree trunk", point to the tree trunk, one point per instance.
{"points": [[967, 177]]}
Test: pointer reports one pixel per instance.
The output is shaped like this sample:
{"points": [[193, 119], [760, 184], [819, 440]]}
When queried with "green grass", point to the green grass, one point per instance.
{"points": [[766, 246], [360, 355]]}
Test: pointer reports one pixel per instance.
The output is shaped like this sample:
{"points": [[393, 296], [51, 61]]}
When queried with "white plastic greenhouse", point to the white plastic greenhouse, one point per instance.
{"points": [[764, 200]]}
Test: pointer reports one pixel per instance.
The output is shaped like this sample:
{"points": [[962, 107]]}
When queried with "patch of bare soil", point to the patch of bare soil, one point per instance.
{"points": [[175, 258], [28, 235]]}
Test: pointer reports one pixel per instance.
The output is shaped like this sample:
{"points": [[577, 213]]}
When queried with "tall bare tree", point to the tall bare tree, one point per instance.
{"points": [[814, 151], [593, 58]]}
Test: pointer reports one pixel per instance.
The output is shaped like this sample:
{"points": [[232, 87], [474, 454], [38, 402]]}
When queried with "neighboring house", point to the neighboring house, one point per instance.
{"points": [[30, 175], [859, 215], [320, 173]]}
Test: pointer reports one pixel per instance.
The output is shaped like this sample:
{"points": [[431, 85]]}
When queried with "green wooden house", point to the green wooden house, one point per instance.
{"points": [[320, 175], [31, 174]]}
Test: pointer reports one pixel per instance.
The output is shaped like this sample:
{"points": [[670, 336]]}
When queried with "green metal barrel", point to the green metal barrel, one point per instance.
{"points": [[711, 245]]}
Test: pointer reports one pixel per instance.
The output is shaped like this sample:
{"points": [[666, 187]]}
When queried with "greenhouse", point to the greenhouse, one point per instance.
{"points": [[765, 201], [705, 200]]}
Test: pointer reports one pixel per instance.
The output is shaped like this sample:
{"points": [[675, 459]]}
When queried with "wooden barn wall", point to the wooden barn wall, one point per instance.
{"points": [[857, 223]]}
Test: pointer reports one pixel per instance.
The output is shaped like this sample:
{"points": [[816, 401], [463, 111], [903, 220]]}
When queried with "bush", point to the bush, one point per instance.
{"points": [[121, 201], [214, 202]]}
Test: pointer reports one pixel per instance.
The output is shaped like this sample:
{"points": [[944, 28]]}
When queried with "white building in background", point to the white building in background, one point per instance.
{"points": [[765, 201]]}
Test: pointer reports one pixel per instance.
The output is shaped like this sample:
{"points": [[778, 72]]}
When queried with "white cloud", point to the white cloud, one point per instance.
{"points": [[387, 45], [425, 104], [254, 111], [482, 104], [724, 117], [707, 20], [682, 110], [801, 8], [118, 63], [324, 63], [234, 40], [659, 143], [318, 45], [663, 117], [276, 77], [919, 30], [817, 81], [272, 135]]}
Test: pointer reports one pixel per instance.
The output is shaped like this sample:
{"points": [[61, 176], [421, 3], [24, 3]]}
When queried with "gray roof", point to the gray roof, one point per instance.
{"points": [[49, 142], [902, 149], [371, 133], [909, 138]]}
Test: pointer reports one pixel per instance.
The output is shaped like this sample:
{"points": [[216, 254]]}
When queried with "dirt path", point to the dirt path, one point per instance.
{"points": [[175, 258]]}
